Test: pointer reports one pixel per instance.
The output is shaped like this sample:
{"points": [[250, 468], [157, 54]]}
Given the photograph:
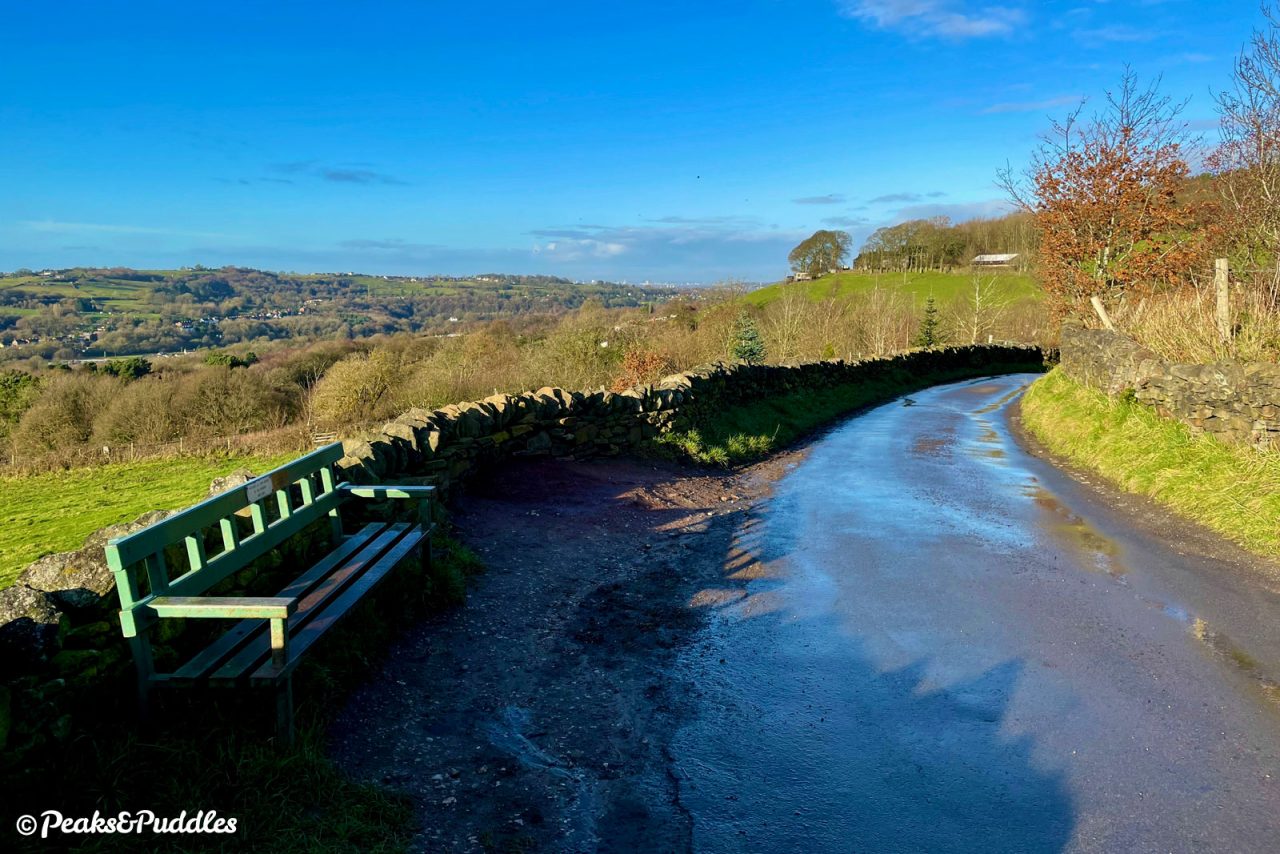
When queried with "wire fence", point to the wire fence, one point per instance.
{"points": [[287, 440]]}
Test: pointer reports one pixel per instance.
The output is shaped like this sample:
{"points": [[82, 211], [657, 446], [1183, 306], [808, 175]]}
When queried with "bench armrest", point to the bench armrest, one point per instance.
{"points": [[420, 493], [225, 607]]}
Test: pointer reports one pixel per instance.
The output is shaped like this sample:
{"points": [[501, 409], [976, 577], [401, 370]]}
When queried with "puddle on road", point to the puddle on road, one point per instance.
{"points": [[993, 406], [980, 390], [1098, 552], [1226, 649], [1102, 554], [931, 446]]}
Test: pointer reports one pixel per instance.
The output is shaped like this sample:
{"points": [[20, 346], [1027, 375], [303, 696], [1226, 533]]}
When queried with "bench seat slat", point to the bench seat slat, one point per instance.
{"points": [[227, 644], [225, 607], [332, 613], [251, 654]]}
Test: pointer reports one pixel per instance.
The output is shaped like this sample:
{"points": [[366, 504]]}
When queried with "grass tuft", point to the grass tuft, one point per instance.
{"points": [[1232, 489]]}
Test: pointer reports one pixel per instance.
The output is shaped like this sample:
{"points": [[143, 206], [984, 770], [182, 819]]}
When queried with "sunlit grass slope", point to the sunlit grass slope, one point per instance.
{"points": [[54, 512], [943, 287]]}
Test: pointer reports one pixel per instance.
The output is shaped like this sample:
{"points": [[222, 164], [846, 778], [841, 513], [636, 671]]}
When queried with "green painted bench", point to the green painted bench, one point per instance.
{"points": [[168, 569]]}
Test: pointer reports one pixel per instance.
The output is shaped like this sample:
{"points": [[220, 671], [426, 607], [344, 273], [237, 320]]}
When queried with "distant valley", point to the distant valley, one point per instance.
{"points": [[83, 313]]}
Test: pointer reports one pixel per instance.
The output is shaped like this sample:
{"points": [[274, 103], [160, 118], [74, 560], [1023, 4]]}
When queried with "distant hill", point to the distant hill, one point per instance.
{"points": [[80, 312], [943, 287]]}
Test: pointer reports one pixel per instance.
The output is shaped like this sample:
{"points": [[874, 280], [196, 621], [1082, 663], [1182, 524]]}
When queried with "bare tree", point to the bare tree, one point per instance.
{"points": [[1247, 161], [980, 312], [785, 324]]}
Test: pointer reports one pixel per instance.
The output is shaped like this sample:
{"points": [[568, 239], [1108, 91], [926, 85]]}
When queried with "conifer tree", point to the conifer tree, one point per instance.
{"points": [[747, 344], [930, 335]]}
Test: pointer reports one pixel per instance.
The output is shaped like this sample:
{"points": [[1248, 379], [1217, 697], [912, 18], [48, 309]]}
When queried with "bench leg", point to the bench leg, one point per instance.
{"points": [[144, 668], [284, 712]]}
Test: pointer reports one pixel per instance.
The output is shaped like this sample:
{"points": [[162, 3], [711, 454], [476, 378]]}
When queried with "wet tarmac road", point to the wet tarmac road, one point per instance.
{"points": [[929, 640]]}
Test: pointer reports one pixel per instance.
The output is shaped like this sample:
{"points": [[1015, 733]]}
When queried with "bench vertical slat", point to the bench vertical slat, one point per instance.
{"points": [[126, 581], [308, 491], [259, 514], [157, 573], [328, 485], [284, 502], [230, 538], [195, 551]]}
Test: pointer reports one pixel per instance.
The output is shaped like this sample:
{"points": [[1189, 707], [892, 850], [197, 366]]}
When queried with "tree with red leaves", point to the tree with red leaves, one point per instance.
{"points": [[1104, 197]]}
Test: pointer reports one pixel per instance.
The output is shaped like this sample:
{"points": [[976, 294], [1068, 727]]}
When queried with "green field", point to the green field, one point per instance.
{"points": [[943, 287], [54, 512]]}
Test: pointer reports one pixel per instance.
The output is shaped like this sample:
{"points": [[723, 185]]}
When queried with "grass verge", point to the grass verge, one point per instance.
{"points": [[751, 431], [1233, 490], [54, 512]]}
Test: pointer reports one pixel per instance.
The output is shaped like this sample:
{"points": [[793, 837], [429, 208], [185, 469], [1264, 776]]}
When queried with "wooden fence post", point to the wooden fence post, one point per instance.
{"points": [[1102, 313], [1221, 280]]}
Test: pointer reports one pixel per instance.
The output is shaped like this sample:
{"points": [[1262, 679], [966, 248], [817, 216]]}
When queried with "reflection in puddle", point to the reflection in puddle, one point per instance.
{"points": [[1224, 647], [992, 407], [981, 390], [930, 446], [1098, 551], [1103, 554]]}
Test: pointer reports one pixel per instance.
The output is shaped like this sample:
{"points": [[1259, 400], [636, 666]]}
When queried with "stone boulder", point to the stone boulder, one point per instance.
{"points": [[30, 629], [239, 477], [81, 579]]}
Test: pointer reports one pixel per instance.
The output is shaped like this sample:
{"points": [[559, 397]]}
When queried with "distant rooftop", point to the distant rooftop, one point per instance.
{"points": [[1005, 258]]}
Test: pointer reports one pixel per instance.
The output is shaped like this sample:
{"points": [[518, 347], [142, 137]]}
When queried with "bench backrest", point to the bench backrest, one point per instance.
{"points": [[223, 534]]}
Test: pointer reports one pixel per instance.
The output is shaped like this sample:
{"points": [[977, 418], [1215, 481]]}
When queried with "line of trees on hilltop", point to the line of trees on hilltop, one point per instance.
{"points": [[937, 243]]}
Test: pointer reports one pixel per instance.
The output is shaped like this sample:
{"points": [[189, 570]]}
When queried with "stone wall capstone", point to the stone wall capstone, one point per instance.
{"points": [[1236, 402]]}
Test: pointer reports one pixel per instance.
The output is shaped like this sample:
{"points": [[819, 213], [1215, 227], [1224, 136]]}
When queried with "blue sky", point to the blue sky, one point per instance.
{"points": [[671, 141]]}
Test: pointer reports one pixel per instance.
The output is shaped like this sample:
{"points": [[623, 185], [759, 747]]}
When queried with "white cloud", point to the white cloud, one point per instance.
{"points": [[829, 199], [675, 249], [957, 212], [949, 19], [1033, 106], [49, 226], [579, 249]]}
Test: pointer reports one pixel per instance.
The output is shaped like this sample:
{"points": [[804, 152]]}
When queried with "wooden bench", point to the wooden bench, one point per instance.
{"points": [[168, 569]]}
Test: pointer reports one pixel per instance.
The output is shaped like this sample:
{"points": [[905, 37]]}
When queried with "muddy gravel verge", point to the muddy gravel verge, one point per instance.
{"points": [[539, 715]]}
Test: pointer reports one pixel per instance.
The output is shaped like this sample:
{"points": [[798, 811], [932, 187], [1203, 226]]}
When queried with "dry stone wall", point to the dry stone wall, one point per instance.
{"points": [[1234, 401], [443, 446], [64, 664]]}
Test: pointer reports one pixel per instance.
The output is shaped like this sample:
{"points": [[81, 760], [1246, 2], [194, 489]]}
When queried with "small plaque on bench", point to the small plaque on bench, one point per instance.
{"points": [[256, 490]]}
